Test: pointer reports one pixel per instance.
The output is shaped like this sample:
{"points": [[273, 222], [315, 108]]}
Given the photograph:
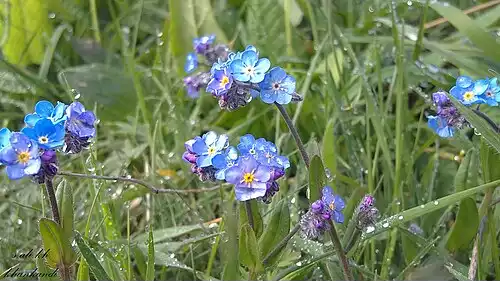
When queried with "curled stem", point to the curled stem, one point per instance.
{"points": [[52, 199], [152, 188], [281, 244]]}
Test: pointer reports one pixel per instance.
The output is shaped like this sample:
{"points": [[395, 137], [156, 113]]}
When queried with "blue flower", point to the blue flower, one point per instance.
{"points": [[4, 138], [45, 109], [21, 157], [202, 44], [47, 134], [220, 83], [334, 204], [191, 62], [277, 86], [249, 68], [80, 121], [267, 154], [440, 126], [249, 178], [208, 147], [224, 161], [468, 92], [440, 98], [492, 91], [247, 145]]}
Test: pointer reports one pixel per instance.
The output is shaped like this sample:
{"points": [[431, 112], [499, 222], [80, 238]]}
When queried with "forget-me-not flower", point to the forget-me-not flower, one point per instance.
{"points": [[334, 203], [207, 147], [47, 134], [202, 44], [440, 126], [249, 68], [468, 92], [277, 86], [220, 83], [249, 178], [21, 157], [80, 122], [191, 62], [45, 109], [492, 91], [224, 161]]}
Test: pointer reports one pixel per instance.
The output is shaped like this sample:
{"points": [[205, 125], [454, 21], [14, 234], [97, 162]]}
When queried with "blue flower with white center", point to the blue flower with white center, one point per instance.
{"points": [[202, 44], [224, 161], [492, 93], [81, 122], [47, 134], [191, 62], [334, 203], [468, 92], [249, 68], [45, 109], [439, 125], [267, 154], [247, 145], [208, 147], [21, 157], [277, 87], [249, 177], [220, 83]]}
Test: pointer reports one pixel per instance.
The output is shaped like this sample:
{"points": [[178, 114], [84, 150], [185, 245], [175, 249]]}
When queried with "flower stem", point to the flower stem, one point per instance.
{"points": [[281, 244], [53, 201], [139, 182], [488, 119], [294, 133], [248, 208], [340, 252]]}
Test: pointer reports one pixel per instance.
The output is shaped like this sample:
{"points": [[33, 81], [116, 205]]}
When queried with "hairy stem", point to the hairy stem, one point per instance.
{"points": [[53, 201], [281, 244], [294, 133], [248, 208], [152, 188], [488, 119], [340, 252]]}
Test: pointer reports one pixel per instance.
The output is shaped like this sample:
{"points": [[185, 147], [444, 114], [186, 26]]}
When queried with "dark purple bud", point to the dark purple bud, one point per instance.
{"points": [[326, 215], [189, 157], [48, 156], [367, 202], [276, 174], [317, 206], [440, 98]]}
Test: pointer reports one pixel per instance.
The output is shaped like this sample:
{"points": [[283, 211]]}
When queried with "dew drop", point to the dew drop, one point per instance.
{"points": [[400, 217], [370, 9], [436, 202], [409, 3], [422, 206], [19, 221], [370, 229], [299, 263], [386, 224]]}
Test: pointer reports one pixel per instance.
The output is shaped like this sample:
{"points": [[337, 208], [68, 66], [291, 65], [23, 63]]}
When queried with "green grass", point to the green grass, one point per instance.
{"points": [[366, 70]]}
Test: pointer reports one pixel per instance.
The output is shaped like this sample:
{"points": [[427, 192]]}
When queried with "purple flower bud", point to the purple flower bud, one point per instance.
{"points": [[277, 173], [367, 202], [327, 215], [49, 156], [189, 157], [317, 206], [440, 98]]}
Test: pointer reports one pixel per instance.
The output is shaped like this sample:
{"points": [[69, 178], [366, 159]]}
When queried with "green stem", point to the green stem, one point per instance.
{"points": [[340, 252], [248, 208], [281, 244], [95, 22], [488, 119], [52, 200]]}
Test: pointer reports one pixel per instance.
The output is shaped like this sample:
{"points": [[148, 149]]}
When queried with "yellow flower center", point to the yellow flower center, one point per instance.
{"points": [[248, 178], [468, 96], [332, 206], [224, 81], [43, 140], [23, 157], [211, 150]]}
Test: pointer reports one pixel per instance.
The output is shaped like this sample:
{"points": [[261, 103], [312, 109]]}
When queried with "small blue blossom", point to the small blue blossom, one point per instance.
{"points": [[220, 83], [80, 122], [277, 87], [249, 68], [21, 157], [224, 161], [247, 145], [191, 62], [267, 154], [47, 134], [468, 92], [334, 203], [45, 109], [249, 177], [492, 93], [440, 125], [4, 138], [202, 44], [208, 147]]}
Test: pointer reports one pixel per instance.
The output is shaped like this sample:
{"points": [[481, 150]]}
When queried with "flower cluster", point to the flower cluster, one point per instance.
{"points": [[244, 76], [254, 166], [32, 151], [366, 213], [203, 48], [316, 221], [468, 92]]}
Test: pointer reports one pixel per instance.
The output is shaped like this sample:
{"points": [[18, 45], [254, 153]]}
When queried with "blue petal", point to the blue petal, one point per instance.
{"points": [[283, 98], [464, 81], [249, 58], [480, 87], [199, 147], [8, 156], [33, 166], [339, 203], [221, 142], [44, 108], [260, 70], [20, 142], [30, 132], [246, 143], [457, 92], [244, 193], [210, 138], [204, 161], [338, 217], [251, 48], [262, 173], [277, 74], [59, 112], [219, 161], [232, 153], [238, 71], [220, 174], [268, 96], [4, 137], [288, 84], [191, 62], [234, 175], [31, 119], [15, 172]]}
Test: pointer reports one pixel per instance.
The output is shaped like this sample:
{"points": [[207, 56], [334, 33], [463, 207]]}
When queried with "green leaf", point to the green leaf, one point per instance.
{"points": [[257, 218], [424, 209], [83, 270], [480, 124], [477, 35], [249, 249], [335, 62], [49, 274], [465, 227], [467, 173], [13, 83], [90, 258], [170, 261], [64, 195], [490, 161], [52, 239], [168, 233], [317, 178], [277, 228], [328, 150], [150, 272], [230, 247], [296, 13]]}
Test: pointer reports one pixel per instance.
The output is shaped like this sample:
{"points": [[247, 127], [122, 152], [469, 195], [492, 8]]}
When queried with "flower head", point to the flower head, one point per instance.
{"points": [[191, 62], [440, 98], [45, 109], [468, 92], [195, 83], [224, 161], [47, 134], [440, 125], [334, 203], [249, 68], [21, 157], [367, 213], [277, 87], [221, 82], [492, 93], [80, 122], [48, 168], [267, 154], [208, 147], [249, 178], [202, 44]]}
